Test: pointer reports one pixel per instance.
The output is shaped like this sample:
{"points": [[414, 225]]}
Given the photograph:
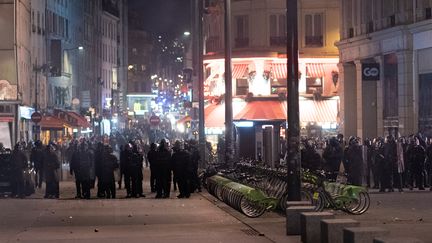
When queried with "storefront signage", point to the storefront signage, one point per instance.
{"points": [[370, 71], [26, 112], [36, 117]]}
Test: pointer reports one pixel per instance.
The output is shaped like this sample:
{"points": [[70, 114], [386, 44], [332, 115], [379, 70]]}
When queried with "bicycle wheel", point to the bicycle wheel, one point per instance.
{"points": [[318, 201], [250, 209], [359, 205]]}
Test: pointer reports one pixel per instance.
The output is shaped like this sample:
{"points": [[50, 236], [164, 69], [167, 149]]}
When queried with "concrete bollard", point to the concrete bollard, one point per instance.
{"points": [[332, 229], [293, 218], [396, 240], [310, 223], [363, 234], [297, 203]]}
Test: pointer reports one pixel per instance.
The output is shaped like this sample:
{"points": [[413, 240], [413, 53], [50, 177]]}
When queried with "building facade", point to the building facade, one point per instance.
{"points": [[52, 59], [391, 38], [259, 71], [15, 67]]}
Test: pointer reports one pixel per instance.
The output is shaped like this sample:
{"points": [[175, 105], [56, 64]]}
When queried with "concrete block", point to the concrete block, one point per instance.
{"points": [[310, 225], [332, 229], [297, 203], [363, 234], [293, 218], [396, 240]]}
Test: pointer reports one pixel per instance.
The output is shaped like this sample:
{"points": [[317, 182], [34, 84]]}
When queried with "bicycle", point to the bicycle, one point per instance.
{"points": [[323, 194]]}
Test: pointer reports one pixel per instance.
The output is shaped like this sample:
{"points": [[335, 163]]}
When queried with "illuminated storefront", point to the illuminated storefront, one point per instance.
{"points": [[260, 106]]}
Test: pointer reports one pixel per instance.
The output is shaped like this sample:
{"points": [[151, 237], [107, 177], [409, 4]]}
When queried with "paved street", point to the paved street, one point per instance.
{"points": [[199, 219]]}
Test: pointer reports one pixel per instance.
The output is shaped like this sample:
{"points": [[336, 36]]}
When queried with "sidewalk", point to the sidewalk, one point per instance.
{"points": [[198, 219]]}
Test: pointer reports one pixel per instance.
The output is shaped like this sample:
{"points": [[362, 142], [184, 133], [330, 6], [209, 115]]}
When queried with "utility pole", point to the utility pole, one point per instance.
{"points": [[198, 45], [293, 138], [228, 88]]}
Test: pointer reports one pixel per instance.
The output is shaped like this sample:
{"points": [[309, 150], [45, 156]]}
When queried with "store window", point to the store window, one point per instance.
{"points": [[314, 26], [314, 85], [278, 86], [242, 87]]}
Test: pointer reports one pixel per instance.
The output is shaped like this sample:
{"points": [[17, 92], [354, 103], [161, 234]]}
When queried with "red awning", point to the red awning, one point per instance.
{"points": [[6, 119], [262, 110], [51, 122], [318, 111], [315, 70], [214, 115], [279, 70], [80, 120], [239, 71]]}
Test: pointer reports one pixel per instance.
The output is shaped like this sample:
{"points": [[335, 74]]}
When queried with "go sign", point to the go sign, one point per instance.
{"points": [[370, 71]]}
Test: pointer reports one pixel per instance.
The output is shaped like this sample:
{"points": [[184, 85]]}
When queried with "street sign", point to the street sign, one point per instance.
{"points": [[154, 120], [371, 71], [36, 117]]}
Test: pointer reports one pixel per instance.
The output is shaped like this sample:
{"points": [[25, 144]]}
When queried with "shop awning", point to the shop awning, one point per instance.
{"points": [[315, 70], [51, 122], [279, 70], [239, 71], [319, 111], [262, 110], [6, 119], [214, 115], [80, 120]]}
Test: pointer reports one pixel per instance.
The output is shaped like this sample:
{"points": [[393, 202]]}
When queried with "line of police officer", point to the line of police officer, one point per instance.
{"points": [[389, 163], [180, 166]]}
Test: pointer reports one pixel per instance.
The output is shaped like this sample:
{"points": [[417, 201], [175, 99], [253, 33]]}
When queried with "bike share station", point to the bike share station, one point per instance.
{"points": [[254, 189]]}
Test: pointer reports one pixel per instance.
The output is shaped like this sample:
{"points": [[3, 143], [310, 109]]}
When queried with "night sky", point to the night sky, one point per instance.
{"points": [[170, 17]]}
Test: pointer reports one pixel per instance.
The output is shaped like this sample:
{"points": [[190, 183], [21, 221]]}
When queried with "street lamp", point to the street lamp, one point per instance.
{"points": [[186, 33], [293, 136], [80, 48]]}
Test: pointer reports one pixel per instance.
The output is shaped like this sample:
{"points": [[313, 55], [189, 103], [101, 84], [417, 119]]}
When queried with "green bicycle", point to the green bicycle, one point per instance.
{"points": [[323, 194]]}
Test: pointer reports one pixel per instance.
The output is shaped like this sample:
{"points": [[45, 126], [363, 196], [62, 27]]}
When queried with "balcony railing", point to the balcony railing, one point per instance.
{"points": [[213, 44], [314, 41], [241, 42], [278, 41]]}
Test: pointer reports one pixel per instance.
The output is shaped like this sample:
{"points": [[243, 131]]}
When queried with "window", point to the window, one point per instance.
{"points": [[278, 30], [242, 31], [314, 30], [242, 87], [67, 28], [314, 85], [278, 86]]}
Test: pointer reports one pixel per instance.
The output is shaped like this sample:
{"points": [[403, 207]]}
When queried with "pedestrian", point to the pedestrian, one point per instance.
{"points": [[98, 169], [51, 173], [74, 169], [36, 157], [400, 164], [136, 169], [354, 162], [107, 179], [163, 171], [151, 158], [86, 169], [19, 160], [181, 164], [416, 156], [310, 159], [195, 160], [391, 161], [333, 155], [125, 168]]}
